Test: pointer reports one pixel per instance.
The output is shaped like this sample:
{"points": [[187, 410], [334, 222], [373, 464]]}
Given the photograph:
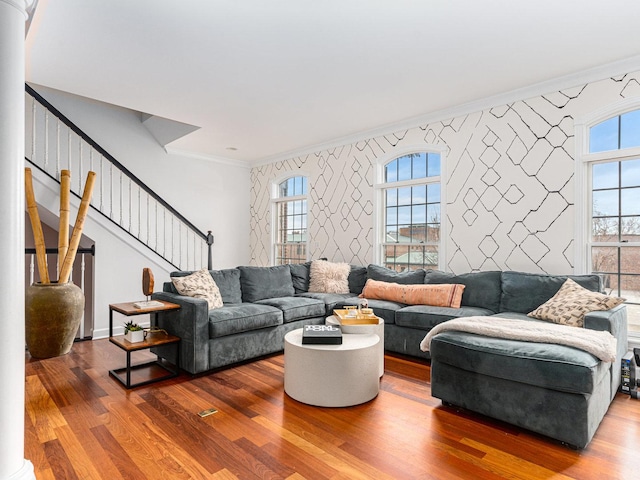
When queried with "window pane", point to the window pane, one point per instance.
{"points": [[630, 175], [630, 129], [391, 234], [404, 168], [433, 232], [392, 197], [419, 194], [604, 136], [392, 216], [433, 193], [630, 288], [604, 260], [433, 213], [630, 260], [605, 203], [433, 165], [419, 165], [404, 196], [604, 229], [418, 214], [631, 230], [630, 200], [418, 233], [403, 233], [304, 186], [391, 172], [404, 215], [605, 175]]}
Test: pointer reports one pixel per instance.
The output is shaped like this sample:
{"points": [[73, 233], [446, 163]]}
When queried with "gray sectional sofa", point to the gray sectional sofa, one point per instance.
{"points": [[554, 390]]}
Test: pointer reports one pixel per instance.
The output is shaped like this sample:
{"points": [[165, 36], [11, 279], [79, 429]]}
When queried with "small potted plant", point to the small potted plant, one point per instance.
{"points": [[133, 332]]}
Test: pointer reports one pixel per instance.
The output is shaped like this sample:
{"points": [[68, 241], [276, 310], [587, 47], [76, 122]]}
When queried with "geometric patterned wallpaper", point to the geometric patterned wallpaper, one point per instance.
{"points": [[510, 190]]}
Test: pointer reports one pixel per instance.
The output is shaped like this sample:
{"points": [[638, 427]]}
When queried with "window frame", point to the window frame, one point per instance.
{"points": [[381, 186], [276, 201], [584, 186]]}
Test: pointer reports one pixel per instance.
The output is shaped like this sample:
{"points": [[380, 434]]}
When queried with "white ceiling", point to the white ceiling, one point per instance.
{"points": [[276, 77]]}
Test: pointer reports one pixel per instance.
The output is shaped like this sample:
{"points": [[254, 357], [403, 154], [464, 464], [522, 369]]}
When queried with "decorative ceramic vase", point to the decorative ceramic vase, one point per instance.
{"points": [[53, 313]]}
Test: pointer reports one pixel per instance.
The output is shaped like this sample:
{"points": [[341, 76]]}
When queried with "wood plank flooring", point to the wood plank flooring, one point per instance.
{"points": [[82, 424]]}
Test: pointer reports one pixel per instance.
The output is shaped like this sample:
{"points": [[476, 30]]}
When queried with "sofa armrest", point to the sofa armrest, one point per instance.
{"points": [[613, 321], [191, 324]]}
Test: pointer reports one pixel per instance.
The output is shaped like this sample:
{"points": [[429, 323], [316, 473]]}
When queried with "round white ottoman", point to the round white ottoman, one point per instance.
{"points": [[331, 375], [359, 330]]}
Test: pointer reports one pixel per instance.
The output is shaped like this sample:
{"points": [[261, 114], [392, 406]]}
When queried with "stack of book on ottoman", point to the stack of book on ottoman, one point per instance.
{"points": [[321, 335]]}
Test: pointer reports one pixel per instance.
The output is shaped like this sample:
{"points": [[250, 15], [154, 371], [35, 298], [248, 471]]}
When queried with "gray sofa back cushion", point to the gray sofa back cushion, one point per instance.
{"points": [[383, 274], [300, 276], [524, 292], [228, 282], [259, 283], [357, 279], [482, 289]]}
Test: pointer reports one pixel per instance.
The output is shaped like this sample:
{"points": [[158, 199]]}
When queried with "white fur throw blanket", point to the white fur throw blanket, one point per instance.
{"points": [[598, 343]]}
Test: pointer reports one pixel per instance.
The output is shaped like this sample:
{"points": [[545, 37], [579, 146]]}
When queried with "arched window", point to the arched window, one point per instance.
{"points": [[613, 179], [290, 244], [411, 206]]}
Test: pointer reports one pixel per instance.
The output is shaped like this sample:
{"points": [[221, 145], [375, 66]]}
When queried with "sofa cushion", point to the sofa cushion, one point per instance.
{"points": [[199, 285], [330, 299], [357, 279], [227, 280], [329, 277], [424, 317], [243, 317], [441, 295], [259, 283], [570, 304], [482, 289], [554, 367], [300, 276], [383, 274], [296, 308], [524, 292]]}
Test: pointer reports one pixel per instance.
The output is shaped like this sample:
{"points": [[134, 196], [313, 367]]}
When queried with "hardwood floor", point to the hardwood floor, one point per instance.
{"points": [[81, 423]]}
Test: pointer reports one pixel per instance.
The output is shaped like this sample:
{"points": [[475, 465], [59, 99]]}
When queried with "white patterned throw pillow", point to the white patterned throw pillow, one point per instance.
{"points": [[199, 285], [328, 277], [570, 304]]}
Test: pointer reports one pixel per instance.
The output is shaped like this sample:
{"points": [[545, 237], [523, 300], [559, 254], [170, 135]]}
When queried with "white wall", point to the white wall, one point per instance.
{"points": [[213, 196], [510, 187]]}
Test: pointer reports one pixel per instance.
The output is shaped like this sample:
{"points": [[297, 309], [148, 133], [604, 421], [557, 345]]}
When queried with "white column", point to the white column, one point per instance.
{"points": [[12, 337]]}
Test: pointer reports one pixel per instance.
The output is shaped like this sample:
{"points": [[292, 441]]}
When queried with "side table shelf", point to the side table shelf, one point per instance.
{"points": [[155, 339]]}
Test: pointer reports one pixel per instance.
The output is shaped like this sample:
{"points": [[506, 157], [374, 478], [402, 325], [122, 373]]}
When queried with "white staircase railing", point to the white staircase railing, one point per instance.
{"points": [[54, 143]]}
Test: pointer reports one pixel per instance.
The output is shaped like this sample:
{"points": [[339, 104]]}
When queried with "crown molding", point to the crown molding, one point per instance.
{"points": [[548, 86], [206, 157]]}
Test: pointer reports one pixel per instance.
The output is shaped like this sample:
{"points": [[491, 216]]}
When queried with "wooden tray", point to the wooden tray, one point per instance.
{"points": [[357, 320]]}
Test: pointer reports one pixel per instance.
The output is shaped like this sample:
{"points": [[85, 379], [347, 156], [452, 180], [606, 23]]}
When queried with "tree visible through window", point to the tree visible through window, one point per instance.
{"points": [[411, 196], [291, 221], [615, 210]]}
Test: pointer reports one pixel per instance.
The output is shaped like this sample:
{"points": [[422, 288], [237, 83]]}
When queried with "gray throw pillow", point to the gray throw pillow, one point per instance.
{"points": [[259, 283], [300, 276]]}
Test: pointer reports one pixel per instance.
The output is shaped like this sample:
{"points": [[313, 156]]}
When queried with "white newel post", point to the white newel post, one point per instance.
{"points": [[12, 336]]}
